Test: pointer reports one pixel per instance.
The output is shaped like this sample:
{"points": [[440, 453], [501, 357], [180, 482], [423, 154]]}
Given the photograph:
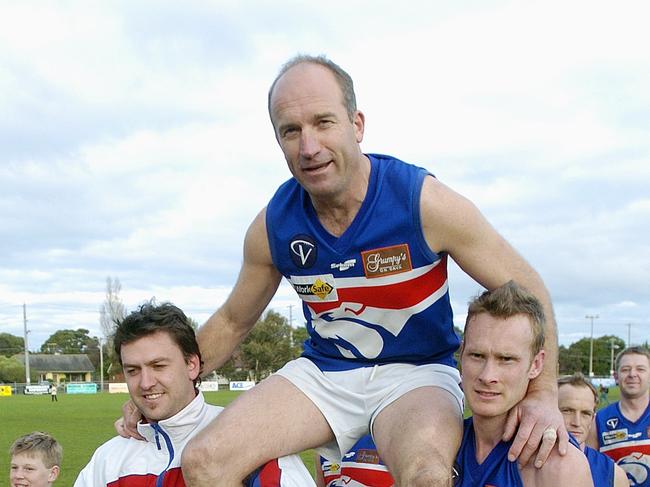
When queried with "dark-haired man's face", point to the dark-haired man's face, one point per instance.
{"points": [[159, 379], [633, 375]]}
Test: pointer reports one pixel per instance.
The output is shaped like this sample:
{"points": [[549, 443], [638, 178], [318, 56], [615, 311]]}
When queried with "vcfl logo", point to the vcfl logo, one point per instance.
{"points": [[303, 251]]}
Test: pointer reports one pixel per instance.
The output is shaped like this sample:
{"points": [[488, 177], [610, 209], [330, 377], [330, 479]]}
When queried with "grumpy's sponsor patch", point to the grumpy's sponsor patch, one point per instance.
{"points": [[386, 261]]}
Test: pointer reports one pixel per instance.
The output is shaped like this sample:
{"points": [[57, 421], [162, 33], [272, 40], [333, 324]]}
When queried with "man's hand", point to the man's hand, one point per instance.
{"points": [[127, 425], [540, 421]]}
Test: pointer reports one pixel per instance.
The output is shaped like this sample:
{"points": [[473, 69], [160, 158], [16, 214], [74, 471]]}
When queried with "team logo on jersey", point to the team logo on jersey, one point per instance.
{"points": [[344, 266], [636, 466], [614, 436], [612, 423], [315, 288], [386, 261], [303, 251]]}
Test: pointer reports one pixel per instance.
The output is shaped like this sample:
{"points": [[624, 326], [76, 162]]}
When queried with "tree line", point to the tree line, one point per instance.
{"points": [[269, 345]]}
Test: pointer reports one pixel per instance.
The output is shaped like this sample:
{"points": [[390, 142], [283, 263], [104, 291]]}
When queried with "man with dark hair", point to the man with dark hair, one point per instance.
{"points": [[623, 428], [501, 353], [364, 241], [161, 360], [577, 401]]}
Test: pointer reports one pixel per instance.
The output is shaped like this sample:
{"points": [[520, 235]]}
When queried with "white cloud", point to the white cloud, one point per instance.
{"points": [[134, 141]]}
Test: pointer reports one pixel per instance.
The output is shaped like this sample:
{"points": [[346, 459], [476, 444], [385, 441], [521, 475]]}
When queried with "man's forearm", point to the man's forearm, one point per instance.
{"points": [[218, 339]]}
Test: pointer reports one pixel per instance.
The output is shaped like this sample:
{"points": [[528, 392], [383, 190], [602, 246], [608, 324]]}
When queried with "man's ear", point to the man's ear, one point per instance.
{"points": [[193, 366], [359, 123], [537, 365], [54, 473], [616, 377]]}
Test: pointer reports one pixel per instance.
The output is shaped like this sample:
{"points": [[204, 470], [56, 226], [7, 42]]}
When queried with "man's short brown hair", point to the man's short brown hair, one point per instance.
{"points": [[507, 301], [578, 380], [636, 350]]}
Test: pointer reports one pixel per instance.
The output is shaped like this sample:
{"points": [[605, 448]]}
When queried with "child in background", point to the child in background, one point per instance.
{"points": [[35, 460]]}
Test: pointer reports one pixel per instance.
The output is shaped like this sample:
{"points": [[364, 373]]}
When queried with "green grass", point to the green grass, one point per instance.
{"points": [[79, 422], [83, 422]]}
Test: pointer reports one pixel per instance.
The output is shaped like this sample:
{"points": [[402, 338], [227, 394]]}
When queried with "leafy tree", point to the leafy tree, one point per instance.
{"points": [[70, 341], [575, 358], [268, 346], [11, 345], [299, 336], [11, 370]]}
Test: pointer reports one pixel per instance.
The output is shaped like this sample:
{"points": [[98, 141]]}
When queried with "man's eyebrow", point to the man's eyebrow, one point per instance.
{"points": [[320, 116], [150, 362]]}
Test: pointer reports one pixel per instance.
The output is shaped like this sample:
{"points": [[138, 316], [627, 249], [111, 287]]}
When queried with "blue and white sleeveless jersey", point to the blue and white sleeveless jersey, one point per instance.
{"points": [[495, 471], [360, 467], [601, 466], [375, 295], [626, 442]]}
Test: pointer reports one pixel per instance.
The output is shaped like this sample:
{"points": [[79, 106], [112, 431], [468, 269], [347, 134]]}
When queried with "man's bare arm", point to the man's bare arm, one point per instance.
{"points": [[257, 283], [453, 224], [227, 327], [571, 469]]}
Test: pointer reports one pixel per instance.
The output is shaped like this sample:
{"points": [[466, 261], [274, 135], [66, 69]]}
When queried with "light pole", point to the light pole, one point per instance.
{"points": [[591, 345], [101, 365], [612, 347]]}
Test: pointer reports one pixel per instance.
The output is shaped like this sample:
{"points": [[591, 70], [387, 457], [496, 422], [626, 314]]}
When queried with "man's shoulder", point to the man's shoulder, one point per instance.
{"points": [[118, 446], [570, 469]]}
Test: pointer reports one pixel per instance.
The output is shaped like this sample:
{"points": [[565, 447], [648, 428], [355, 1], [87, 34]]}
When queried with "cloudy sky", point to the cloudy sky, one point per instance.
{"points": [[135, 143]]}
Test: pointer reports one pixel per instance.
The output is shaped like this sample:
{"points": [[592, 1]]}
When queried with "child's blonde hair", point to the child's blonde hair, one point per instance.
{"points": [[39, 443]]}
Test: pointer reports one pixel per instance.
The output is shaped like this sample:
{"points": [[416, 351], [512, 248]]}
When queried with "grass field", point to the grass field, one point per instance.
{"points": [[81, 423]]}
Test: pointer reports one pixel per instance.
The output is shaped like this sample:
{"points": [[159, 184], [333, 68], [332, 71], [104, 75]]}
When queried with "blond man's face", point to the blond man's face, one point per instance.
{"points": [[577, 405]]}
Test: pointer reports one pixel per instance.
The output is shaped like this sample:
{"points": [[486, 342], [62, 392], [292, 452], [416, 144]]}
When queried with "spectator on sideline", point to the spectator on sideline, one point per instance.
{"points": [[53, 392], [35, 460], [604, 392], [160, 357], [577, 401], [622, 428]]}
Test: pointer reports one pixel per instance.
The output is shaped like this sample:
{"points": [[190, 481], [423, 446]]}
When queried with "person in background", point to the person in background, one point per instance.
{"points": [[622, 429], [577, 401], [35, 460]]}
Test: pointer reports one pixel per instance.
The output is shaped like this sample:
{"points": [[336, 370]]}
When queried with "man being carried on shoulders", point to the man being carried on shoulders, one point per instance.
{"points": [[364, 241]]}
